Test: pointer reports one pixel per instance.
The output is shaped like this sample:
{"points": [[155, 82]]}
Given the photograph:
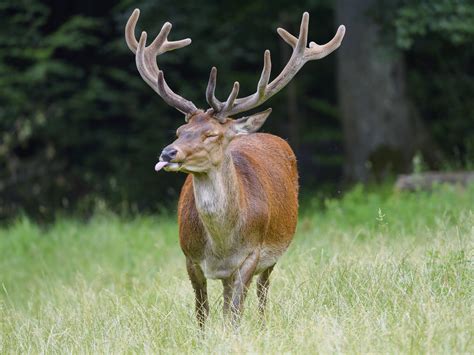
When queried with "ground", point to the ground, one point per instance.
{"points": [[376, 271]]}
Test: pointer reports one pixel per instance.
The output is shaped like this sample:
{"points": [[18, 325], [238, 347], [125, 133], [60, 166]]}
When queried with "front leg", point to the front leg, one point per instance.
{"points": [[241, 281], [199, 283], [228, 288], [263, 284]]}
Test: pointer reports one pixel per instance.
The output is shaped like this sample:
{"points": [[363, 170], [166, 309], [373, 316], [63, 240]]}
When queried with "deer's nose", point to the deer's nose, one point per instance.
{"points": [[168, 154]]}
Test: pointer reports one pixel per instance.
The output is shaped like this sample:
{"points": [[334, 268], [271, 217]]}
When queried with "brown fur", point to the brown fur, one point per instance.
{"points": [[268, 184], [264, 204]]}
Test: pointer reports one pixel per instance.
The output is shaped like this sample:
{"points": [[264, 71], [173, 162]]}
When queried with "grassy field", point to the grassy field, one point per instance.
{"points": [[375, 271]]}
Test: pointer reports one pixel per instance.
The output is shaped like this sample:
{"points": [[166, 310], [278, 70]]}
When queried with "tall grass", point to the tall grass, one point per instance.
{"points": [[375, 271]]}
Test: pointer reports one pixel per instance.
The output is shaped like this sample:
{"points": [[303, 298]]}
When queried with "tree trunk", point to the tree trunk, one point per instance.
{"points": [[381, 134]]}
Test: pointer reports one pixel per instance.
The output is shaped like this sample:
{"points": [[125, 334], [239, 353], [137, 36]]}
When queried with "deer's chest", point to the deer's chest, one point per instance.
{"points": [[225, 248]]}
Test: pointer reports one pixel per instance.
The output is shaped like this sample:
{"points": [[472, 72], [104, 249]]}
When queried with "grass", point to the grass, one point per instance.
{"points": [[375, 271]]}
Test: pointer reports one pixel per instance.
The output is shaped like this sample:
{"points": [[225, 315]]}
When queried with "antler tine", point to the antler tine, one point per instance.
{"points": [[130, 30], [303, 37], [140, 61], [145, 58], [210, 91], [265, 76], [317, 51], [287, 37], [161, 39], [230, 101], [301, 54], [161, 44]]}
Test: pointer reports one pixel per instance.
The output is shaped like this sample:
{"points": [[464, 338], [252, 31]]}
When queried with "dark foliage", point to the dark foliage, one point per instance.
{"points": [[79, 126]]}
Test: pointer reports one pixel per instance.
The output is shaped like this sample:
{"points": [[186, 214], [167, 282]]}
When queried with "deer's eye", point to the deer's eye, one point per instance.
{"points": [[211, 136]]}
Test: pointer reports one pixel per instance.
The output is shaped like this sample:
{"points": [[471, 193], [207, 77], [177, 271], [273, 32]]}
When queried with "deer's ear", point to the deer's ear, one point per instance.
{"points": [[250, 124]]}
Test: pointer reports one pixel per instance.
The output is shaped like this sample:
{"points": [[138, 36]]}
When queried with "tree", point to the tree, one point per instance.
{"points": [[380, 130]]}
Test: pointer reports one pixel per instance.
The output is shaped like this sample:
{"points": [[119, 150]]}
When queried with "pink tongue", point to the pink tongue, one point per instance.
{"points": [[160, 165]]}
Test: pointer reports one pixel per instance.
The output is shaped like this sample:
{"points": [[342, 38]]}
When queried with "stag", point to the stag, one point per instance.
{"points": [[238, 207]]}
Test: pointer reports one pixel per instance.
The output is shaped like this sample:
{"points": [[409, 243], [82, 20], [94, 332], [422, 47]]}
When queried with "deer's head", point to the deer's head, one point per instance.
{"points": [[202, 141]]}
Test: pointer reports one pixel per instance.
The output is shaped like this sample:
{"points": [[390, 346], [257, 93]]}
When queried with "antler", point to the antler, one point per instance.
{"points": [[145, 57], [301, 54]]}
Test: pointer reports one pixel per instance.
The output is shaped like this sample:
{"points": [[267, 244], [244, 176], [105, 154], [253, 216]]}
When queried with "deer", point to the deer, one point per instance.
{"points": [[238, 207]]}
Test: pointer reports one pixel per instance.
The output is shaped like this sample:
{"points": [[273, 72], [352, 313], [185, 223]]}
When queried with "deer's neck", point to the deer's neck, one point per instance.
{"points": [[217, 196]]}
